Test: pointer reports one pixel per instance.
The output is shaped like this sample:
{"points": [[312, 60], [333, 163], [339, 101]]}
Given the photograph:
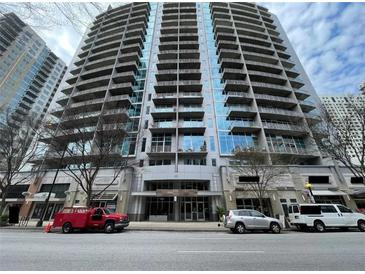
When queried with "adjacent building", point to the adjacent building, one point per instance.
{"points": [[341, 108], [30, 72], [193, 82]]}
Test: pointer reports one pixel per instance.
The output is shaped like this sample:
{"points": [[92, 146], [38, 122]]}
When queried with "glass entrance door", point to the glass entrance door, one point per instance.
{"points": [[200, 211], [188, 206]]}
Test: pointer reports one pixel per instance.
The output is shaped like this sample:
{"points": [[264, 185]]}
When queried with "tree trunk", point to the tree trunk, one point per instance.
{"points": [[88, 198], [261, 205], [3, 201]]}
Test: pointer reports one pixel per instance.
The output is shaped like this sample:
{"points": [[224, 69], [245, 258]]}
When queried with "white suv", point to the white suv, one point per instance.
{"points": [[322, 216]]}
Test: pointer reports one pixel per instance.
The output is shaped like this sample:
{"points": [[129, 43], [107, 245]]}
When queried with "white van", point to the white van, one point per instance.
{"points": [[322, 216]]}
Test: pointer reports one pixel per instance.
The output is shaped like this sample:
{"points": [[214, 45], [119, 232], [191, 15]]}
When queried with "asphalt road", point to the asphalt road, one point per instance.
{"points": [[154, 250]]}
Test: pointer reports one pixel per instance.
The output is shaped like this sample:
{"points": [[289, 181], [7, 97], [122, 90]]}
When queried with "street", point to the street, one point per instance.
{"points": [[155, 250]]}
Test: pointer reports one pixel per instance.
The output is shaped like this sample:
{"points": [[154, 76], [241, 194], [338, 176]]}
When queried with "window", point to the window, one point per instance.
{"points": [[143, 145], [318, 179], [159, 162], [140, 163], [212, 143], [193, 142], [145, 124], [244, 213], [328, 209], [161, 143], [255, 213], [357, 180], [344, 209], [148, 110], [195, 162], [214, 162], [248, 179], [149, 96], [306, 210]]}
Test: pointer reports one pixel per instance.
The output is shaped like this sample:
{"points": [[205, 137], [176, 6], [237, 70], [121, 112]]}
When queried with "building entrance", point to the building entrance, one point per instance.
{"points": [[186, 209]]}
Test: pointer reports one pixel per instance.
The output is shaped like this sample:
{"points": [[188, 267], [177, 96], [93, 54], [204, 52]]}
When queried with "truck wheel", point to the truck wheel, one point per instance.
{"points": [[275, 228], [240, 228], [361, 225], [109, 227], [319, 226], [67, 228]]}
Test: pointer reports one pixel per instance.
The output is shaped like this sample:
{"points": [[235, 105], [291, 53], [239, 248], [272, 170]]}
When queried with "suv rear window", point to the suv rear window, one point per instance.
{"points": [[328, 209], [310, 210]]}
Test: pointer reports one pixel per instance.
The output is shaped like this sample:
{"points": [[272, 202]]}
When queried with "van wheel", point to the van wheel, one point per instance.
{"points": [[109, 227], [240, 228], [319, 226], [361, 225], [275, 228], [67, 228]]}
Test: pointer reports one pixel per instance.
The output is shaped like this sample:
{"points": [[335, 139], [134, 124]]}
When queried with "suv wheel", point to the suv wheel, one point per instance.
{"points": [[67, 228], [109, 227], [361, 225], [240, 228], [275, 228], [319, 226]]}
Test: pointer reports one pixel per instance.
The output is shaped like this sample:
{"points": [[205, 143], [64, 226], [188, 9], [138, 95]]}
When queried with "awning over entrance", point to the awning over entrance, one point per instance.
{"points": [[176, 193], [328, 193]]}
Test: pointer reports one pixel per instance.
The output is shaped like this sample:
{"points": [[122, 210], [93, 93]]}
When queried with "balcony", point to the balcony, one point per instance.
{"points": [[279, 114], [115, 115], [234, 74], [241, 111], [88, 94], [236, 85], [113, 129], [265, 77], [89, 105], [278, 128], [240, 126], [119, 89], [271, 100], [163, 127], [231, 63], [193, 151], [184, 98], [233, 97], [192, 127], [118, 101], [164, 112], [302, 94], [184, 74], [168, 86], [63, 100], [163, 151], [264, 67], [191, 112], [93, 83], [265, 88], [307, 105]]}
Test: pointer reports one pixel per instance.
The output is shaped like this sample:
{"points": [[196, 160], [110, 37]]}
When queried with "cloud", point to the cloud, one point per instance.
{"points": [[329, 39]]}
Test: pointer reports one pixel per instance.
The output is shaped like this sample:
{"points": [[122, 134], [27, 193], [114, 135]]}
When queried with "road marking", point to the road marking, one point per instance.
{"points": [[214, 238], [220, 251]]}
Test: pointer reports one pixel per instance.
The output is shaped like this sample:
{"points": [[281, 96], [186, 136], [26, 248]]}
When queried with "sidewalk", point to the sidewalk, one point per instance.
{"points": [[145, 226]]}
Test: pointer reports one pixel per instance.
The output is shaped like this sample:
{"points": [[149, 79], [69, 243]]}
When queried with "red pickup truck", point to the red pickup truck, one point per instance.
{"points": [[89, 218]]}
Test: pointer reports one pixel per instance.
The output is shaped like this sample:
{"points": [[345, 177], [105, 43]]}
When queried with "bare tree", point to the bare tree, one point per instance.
{"points": [[17, 149], [48, 15], [261, 175], [88, 152], [337, 136]]}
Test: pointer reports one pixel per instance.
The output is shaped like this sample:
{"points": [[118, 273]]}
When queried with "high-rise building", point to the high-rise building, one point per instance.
{"points": [[195, 82], [30, 72], [343, 111]]}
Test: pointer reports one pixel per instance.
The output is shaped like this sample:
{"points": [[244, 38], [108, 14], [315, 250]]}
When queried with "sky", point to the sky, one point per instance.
{"points": [[329, 39]]}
